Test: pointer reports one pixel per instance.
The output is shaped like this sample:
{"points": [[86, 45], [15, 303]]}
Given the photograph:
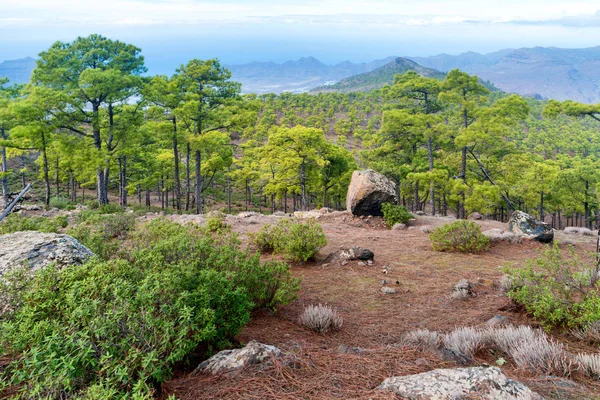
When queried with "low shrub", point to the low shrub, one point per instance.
{"points": [[422, 339], [589, 364], [542, 354], [298, 240], [466, 341], [102, 233], [108, 325], [115, 328], [61, 203], [459, 236], [395, 214], [17, 223], [557, 290], [216, 222], [321, 319]]}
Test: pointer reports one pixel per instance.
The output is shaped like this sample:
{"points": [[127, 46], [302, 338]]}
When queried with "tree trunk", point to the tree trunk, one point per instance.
{"points": [[198, 182], [187, 178], [56, 178], [4, 169], [177, 188], [46, 176], [303, 184], [431, 184]]}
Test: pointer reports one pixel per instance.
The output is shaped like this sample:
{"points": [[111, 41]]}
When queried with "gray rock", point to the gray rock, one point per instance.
{"points": [[231, 360], [366, 254], [398, 227], [388, 290], [343, 349], [35, 250], [497, 320], [525, 225], [367, 191], [459, 383], [475, 216], [420, 213]]}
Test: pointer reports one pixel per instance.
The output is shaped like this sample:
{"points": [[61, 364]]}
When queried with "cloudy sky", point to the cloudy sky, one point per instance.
{"points": [[172, 31]]}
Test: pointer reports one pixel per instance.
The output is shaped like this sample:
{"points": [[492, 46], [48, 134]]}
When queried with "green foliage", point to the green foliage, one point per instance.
{"points": [[297, 240], [61, 203], [103, 233], [17, 223], [394, 214], [216, 222], [112, 329], [459, 236], [557, 290]]}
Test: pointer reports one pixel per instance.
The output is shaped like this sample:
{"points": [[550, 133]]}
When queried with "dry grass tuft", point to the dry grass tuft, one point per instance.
{"points": [[321, 318], [462, 290], [422, 339], [589, 364], [542, 354], [466, 340], [589, 334]]}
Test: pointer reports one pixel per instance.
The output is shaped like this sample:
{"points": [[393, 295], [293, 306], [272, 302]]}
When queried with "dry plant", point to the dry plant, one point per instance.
{"points": [[466, 340], [422, 339], [542, 354], [321, 318], [589, 364]]}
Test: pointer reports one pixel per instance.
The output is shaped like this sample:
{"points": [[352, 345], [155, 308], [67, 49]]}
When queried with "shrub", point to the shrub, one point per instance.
{"points": [[589, 364], [466, 341], [103, 234], [394, 214], [108, 325], [422, 339], [16, 223], [557, 290], [321, 319], [298, 240], [110, 209], [459, 236], [216, 222], [61, 203], [162, 241], [542, 354], [112, 329]]}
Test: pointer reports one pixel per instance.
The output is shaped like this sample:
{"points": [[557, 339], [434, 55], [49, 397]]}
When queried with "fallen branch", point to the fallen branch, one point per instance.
{"points": [[8, 209]]}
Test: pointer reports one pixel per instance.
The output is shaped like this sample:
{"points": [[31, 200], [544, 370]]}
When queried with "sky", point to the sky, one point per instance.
{"points": [[170, 32]]}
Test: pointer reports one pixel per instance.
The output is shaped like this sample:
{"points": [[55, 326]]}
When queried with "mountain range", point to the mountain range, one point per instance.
{"points": [[547, 72]]}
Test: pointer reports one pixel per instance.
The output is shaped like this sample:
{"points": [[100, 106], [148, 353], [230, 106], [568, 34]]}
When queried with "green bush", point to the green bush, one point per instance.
{"points": [[17, 223], [216, 222], [297, 240], [459, 236], [102, 233], [110, 209], [114, 329], [558, 290], [61, 203], [394, 214], [108, 326]]}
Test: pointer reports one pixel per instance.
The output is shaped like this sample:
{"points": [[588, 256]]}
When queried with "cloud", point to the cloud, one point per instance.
{"points": [[578, 21]]}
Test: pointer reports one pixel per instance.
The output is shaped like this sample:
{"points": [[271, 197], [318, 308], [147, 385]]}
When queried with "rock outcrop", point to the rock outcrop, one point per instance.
{"points": [[526, 226], [459, 383], [231, 360], [368, 190], [36, 250]]}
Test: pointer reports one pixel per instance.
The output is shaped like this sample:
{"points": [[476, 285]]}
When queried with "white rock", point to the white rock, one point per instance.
{"points": [[36, 250], [367, 191], [231, 360], [459, 383]]}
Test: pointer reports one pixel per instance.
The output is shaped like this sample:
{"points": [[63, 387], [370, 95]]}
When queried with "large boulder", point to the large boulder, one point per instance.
{"points": [[459, 383], [36, 250], [526, 226], [367, 191], [231, 360]]}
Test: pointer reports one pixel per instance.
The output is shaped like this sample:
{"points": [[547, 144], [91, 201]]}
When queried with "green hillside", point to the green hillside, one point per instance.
{"points": [[380, 77]]}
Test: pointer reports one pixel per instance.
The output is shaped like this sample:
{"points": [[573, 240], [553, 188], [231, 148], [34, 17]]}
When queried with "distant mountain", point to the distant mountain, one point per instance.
{"points": [[296, 76], [17, 71], [549, 72], [379, 77]]}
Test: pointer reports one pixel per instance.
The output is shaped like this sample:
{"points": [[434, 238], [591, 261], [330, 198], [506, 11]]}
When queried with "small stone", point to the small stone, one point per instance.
{"points": [[361, 264], [325, 265], [230, 360], [398, 227], [369, 262], [388, 290], [345, 262], [420, 213], [497, 320], [426, 229], [384, 282], [343, 349]]}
